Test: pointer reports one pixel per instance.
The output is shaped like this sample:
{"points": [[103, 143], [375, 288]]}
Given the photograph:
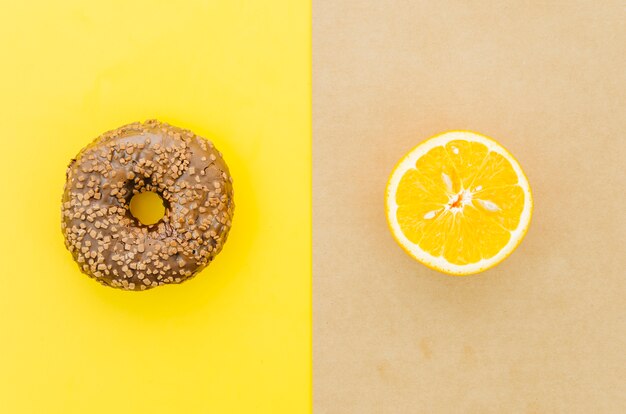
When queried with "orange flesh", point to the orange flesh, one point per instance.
{"points": [[480, 225]]}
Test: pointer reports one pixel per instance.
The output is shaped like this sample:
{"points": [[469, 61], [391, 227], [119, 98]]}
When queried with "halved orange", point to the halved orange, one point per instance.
{"points": [[458, 203]]}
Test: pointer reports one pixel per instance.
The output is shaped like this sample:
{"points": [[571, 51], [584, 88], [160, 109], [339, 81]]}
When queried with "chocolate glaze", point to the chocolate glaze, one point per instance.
{"points": [[112, 246]]}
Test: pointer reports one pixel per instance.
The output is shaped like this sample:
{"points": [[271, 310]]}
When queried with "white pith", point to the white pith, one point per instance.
{"points": [[439, 262]]}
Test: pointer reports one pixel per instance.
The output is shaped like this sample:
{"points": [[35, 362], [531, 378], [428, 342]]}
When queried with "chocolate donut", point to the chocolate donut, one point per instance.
{"points": [[109, 243]]}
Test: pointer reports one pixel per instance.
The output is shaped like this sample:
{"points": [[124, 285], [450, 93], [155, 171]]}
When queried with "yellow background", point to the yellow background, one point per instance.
{"points": [[236, 339]]}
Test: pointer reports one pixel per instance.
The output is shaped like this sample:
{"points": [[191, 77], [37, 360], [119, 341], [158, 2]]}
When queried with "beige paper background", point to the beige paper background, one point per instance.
{"points": [[545, 331]]}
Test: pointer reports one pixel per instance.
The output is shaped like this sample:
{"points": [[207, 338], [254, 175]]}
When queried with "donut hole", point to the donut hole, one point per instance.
{"points": [[148, 207]]}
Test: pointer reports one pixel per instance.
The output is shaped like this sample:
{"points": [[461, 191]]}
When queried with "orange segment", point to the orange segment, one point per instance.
{"points": [[496, 171], [416, 188], [507, 201], [467, 158]]}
